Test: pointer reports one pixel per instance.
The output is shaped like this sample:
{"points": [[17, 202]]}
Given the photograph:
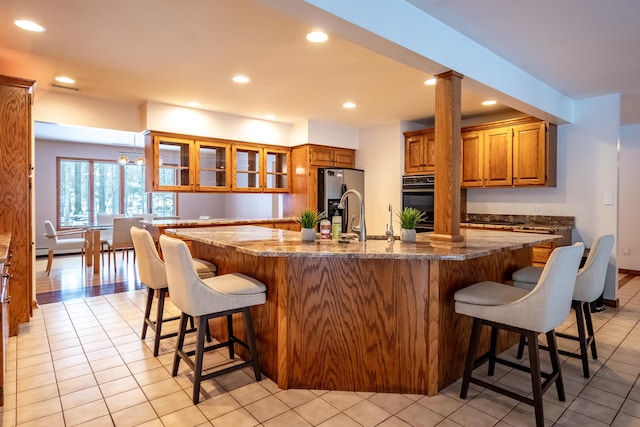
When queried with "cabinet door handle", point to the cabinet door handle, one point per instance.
{"points": [[7, 300]]}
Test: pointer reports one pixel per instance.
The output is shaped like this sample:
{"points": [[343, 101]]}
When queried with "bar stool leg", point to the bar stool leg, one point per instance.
{"points": [[536, 383], [251, 338], [180, 343], [231, 336], [582, 339], [555, 363], [492, 351], [147, 312], [158, 324], [197, 370], [471, 354], [591, 335]]}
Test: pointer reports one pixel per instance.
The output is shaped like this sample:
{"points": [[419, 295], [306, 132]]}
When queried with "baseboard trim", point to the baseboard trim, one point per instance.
{"points": [[629, 272]]}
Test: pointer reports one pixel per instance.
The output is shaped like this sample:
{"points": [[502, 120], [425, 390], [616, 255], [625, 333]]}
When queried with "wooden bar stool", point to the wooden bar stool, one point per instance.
{"points": [[153, 274], [206, 299], [589, 286], [527, 313]]}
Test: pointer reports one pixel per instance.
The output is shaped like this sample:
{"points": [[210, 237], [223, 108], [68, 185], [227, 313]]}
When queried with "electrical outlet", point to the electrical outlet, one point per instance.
{"points": [[626, 250], [538, 209], [608, 198]]}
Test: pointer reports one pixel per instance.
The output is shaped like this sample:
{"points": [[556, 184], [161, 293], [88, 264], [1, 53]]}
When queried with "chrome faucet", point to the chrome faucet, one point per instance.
{"points": [[360, 228]]}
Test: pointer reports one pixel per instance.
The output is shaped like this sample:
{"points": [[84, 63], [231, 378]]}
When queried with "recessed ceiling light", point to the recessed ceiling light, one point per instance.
{"points": [[241, 79], [269, 116], [489, 102], [349, 104], [317, 37], [194, 104], [430, 82], [25, 24], [64, 79]]}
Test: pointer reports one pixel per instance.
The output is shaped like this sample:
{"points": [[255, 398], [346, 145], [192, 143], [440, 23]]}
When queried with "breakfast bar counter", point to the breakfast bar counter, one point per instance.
{"points": [[361, 316]]}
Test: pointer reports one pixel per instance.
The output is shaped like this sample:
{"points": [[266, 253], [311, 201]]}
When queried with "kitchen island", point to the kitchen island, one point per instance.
{"points": [[361, 316]]}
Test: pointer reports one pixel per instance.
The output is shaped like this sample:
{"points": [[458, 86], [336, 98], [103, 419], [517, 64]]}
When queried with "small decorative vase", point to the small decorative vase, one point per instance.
{"points": [[408, 235], [308, 234]]}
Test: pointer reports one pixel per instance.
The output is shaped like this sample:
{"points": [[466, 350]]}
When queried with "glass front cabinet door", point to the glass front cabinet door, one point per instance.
{"points": [[172, 168], [246, 159], [276, 170], [213, 160]]}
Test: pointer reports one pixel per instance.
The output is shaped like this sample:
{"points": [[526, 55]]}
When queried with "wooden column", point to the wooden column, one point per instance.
{"points": [[447, 141]]}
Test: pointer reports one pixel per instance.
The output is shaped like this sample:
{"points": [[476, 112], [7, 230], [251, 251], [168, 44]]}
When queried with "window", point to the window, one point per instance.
{"points": [[88, 188]]}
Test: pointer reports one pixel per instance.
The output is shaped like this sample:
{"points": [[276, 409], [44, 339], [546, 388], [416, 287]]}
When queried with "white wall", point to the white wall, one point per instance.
{"points": [[587, 168], [629, 197], [190, 121], [381, 155]]}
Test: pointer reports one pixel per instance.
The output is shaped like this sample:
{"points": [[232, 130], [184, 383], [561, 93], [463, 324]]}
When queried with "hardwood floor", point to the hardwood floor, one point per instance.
{"points": [[70, 278]]}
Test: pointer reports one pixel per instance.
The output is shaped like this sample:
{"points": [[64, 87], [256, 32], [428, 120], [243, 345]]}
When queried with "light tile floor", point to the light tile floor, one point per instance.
{"points": [[81, 362]]}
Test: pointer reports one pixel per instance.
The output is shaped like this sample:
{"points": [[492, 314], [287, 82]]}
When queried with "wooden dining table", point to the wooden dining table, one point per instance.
{"points": [[93, 246]]}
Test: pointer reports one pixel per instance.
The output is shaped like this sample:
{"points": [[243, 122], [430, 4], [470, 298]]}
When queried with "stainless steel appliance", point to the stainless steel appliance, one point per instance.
{"points": [[418, 192], [332, 184]]}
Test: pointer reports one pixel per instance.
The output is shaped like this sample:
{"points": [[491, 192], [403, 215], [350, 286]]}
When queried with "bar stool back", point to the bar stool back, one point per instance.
{"points": [[530, 313], [205, 299], [153, 274], [589, 286]]}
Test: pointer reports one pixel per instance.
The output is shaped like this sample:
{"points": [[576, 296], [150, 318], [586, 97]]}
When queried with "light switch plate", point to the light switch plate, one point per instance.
{"points": [[608, 198]]}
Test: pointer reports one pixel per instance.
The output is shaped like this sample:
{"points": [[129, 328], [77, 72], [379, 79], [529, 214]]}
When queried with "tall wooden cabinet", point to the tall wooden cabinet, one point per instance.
{"points": [[16, 167], [305, 161]]}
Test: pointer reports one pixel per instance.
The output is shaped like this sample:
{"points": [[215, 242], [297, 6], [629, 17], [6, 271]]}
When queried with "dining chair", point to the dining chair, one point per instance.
{"points": [[121, 238], [54, 243], [106, 221]]}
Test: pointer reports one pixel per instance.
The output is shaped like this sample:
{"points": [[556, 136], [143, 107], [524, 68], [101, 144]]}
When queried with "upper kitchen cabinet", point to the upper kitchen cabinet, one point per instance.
{"points": [[305, 161], [199, 164], [419, 152], [512, 153], [213, 161], [260, 168], [276, 169], [172, 167], [323, 156]]}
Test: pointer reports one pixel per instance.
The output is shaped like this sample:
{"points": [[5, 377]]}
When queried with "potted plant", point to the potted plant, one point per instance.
{"points": [[409, 218], [308, 220]]}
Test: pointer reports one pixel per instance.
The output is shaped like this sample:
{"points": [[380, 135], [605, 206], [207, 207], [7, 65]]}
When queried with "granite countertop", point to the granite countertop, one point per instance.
{"points": [[541, 223], [272, 242], [5, 240], [213, 221]]}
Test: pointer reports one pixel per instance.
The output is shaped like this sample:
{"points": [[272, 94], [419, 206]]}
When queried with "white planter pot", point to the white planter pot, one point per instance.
{"points": [[408, 236], [308, 234]]}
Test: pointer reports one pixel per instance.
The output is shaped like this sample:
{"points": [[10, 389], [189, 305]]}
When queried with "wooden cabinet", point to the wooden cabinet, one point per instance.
{"points": [[260, 169], [16, 167], [323, 156], [305, 161], [513, 153], [196, 164], [510, 153], [212, 164], [419, 152]]}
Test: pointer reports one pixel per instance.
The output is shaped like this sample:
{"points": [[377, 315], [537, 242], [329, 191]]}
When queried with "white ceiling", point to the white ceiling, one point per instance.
{"points": [[174, 52]]}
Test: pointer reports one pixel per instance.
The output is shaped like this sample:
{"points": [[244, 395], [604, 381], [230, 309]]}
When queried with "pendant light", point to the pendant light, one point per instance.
{"points": [[123, 159]]}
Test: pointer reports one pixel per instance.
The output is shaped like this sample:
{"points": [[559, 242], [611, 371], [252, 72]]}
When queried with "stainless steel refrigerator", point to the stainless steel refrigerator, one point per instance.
{"points": [[332, 184]]}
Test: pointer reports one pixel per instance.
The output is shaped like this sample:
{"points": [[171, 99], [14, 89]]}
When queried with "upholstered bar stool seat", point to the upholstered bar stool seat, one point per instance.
{"points": [[525, 312], [218, 296], [153, 274], [589, 286]]}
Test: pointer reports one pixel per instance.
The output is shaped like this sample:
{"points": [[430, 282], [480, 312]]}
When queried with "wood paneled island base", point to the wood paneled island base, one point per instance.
{"points": [[367, 316]]}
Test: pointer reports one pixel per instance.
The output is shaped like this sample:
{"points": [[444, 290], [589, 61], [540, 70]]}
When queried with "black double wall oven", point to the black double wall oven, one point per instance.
{"points": [[417, 192]]}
